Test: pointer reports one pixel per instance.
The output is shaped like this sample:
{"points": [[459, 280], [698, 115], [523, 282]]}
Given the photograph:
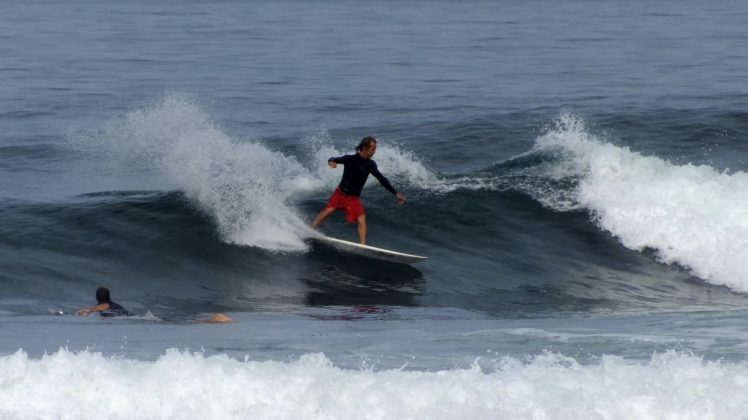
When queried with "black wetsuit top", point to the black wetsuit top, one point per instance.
{"points": [[356, 170], [115, 310]]}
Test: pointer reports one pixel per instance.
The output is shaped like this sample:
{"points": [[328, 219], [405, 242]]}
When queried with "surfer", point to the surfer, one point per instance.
{"points": [[346, 195], [104, 306]]}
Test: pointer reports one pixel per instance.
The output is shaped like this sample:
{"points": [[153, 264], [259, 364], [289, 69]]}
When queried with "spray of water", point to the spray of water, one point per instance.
{"points": [[243, 185]]}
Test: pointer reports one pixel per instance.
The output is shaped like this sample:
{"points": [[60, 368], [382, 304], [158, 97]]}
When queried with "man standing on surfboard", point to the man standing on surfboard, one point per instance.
{"points": [[346, 196]]}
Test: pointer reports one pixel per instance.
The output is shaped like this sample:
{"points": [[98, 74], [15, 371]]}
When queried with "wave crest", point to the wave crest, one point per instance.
{"points": [[691, 215]]}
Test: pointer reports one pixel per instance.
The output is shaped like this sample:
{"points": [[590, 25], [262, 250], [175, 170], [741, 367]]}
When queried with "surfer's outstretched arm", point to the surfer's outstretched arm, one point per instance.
{"points": [[333, 161], [386, 184]]}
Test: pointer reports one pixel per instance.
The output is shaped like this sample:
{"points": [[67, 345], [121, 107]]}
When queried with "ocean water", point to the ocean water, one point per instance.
{"points": [[576, 172]]}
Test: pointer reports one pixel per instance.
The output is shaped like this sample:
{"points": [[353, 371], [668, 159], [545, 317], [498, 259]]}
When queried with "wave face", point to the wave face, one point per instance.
{"points": [[549, 227]]}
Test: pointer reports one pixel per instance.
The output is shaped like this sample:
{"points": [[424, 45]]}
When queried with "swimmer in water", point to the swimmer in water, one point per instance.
{"points": [[104, 306]]}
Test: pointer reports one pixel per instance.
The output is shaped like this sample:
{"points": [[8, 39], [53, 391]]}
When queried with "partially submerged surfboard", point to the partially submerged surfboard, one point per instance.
{"points": [[370, 251]]}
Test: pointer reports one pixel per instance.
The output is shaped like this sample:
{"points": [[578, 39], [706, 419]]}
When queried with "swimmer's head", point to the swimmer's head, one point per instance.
{"points": [[102, 295]]}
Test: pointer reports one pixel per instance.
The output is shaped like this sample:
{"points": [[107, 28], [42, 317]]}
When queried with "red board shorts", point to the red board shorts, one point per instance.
{"points": [[350, 203]]}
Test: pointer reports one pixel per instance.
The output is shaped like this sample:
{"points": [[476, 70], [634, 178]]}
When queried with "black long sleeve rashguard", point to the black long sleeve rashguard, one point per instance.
{"points": [[355, 173]]}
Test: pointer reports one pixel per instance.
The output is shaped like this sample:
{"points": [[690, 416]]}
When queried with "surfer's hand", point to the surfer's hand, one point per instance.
{"points": [[400, 198], [332, 164], [83, 312]]}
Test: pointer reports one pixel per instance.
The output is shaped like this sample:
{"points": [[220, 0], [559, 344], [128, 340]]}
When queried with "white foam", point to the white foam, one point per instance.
{"points": [[192, 386], [692, 215]]}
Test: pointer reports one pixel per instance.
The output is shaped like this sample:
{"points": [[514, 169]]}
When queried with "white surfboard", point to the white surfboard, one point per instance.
{"points": [[370, 251]]}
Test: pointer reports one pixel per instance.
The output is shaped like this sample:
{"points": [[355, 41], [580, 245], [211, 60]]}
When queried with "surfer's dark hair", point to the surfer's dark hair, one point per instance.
{"points": [[102, 295], [366, 143]]}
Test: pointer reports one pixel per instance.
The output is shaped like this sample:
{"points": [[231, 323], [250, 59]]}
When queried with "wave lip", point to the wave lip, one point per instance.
{"points": [[694, 216]]}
